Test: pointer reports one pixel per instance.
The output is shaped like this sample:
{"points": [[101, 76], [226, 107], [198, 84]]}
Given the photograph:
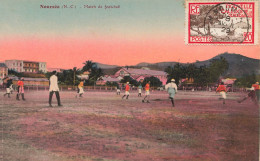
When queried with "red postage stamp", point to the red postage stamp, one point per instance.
{"points": [[221, 22]]}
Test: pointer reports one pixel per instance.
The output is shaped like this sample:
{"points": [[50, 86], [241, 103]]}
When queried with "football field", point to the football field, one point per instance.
{"points": [[103, 127]]}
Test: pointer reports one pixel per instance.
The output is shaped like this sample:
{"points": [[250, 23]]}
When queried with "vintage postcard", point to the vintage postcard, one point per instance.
{"points": [[129, 80], [222, 22]]}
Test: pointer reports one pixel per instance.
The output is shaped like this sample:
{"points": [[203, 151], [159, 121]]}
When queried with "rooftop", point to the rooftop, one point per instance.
{"points": [[25, 61], [144, 72], [3, 65], [110, 79]]}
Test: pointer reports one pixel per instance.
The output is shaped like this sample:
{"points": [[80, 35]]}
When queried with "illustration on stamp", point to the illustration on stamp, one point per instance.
{"points": [[221, 23]]}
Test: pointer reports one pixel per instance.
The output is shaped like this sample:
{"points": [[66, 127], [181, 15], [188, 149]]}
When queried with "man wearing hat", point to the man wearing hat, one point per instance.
{"points": [[20, 88], [171, 87], [54, 88], [127, 88]]}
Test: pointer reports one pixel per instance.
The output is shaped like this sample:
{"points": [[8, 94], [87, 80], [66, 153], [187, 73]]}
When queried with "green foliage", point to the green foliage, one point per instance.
{"points": [[13, 72], [48, 75], [217, 68], [191, 71], [130, 80], [154, 82], [177, 72], [30, 75], [67, 77], [95, 72], [202, 75], [94, 75], [247, 81], [88, 65]]}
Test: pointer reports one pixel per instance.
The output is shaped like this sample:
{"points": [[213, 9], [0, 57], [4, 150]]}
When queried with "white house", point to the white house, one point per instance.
{"points": [[139, 74]]}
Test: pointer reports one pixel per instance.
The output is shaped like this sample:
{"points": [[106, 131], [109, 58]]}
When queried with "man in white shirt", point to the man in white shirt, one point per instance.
{"points": [[171, 88], [54, 88]]}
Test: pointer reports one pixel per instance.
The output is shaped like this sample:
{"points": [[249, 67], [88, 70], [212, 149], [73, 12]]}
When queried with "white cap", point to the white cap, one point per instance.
{"points": [[172, 80]]}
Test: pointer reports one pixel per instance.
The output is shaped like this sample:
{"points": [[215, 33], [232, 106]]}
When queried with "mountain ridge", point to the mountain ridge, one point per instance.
{"points": [[239, 65]]}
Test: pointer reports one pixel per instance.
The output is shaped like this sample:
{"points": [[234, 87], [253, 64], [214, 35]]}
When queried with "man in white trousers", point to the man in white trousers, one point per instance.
{"points": [[171, 88], [54, 88]]}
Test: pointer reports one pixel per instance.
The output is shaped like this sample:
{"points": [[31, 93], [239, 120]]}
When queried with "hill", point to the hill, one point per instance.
{"points": [[239, 65], [105, 66]]}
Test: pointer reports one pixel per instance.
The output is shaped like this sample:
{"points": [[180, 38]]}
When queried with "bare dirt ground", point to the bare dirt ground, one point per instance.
{"points": [[101, 127]]}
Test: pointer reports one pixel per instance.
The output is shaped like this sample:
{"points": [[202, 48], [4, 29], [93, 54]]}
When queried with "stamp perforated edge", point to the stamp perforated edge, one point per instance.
{"points": [[256, 21]]}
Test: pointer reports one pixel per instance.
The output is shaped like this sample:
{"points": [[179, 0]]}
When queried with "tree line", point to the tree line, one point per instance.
{"points": [[70, 76], [202, 75]]}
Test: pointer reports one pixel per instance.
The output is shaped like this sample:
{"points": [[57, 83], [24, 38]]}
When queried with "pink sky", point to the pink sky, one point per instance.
{"points": [[140, 31], [67, 52]]}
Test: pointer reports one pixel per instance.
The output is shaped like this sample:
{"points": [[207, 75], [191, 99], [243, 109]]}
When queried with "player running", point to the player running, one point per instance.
{"points": [[20, 91], [80, 89], [171, 88], [8, 87], [253, 94], [147, 92], [222, 90], [127, 88]]}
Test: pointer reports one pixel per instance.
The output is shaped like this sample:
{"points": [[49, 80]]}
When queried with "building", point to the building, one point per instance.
{"points": [[15, 65], [3, 70], [113, 76], [31, 67], [139, 74], [59, 70], [26, 66], [228, 81], [84, 76], [104, 80], [43, 67]]}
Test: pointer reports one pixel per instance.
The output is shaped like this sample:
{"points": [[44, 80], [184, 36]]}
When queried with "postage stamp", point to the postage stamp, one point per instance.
{"points": [[221, 22]]}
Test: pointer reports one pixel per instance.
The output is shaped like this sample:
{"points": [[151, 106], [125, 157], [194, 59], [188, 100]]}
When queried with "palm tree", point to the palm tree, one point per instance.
{"points": [[88, 65], [95, 72]]}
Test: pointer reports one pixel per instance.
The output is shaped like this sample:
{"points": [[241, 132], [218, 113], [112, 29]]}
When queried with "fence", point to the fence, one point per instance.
{"points": [[107, 88]]}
